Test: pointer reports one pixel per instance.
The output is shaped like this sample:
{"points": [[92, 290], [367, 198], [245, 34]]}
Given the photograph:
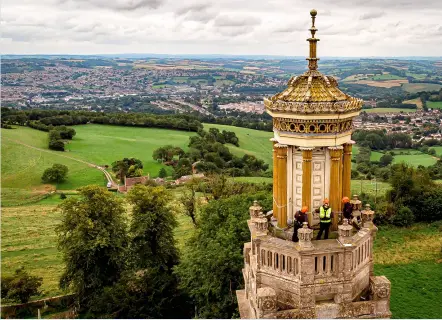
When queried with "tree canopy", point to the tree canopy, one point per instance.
{"points": [[57, 173], [92, 238], [212, 259]]}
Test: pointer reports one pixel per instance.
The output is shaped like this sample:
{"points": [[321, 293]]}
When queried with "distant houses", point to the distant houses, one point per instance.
{"points": [[130, 182]]}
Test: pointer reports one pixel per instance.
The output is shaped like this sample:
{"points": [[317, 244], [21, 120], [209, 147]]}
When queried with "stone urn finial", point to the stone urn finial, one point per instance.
{"points": [[305, 235], [256, 210], [345, 232], [367, 216], [356, 203]]}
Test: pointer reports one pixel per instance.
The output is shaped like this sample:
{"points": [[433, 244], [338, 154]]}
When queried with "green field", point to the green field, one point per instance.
{"points": [[374, 155], [411, 259], [416, 87], [374, 188], [416, 159], [23, 166], [434, 104], [385, 77], [388, 110]]}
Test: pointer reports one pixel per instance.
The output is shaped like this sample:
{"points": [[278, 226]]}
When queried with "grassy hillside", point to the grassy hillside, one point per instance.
{"points": [[101, 144], [416, 159], [250, 141], [22, 167], [411, 259]]}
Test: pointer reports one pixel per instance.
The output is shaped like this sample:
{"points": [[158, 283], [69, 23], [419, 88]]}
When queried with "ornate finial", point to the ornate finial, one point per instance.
{"points": [[312, 60]]}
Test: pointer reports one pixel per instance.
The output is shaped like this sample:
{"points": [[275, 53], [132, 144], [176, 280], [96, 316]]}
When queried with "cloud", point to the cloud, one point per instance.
{"points": [[371, 15], [124, 5], [290, 28], [279, 27], [236, 21], [195, 7]]}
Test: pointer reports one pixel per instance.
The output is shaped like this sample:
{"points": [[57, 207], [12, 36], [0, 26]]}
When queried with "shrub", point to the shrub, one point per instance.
{"points": [[403, 218], [21, 286], [162, 173], [57, 173], [56, 145]]}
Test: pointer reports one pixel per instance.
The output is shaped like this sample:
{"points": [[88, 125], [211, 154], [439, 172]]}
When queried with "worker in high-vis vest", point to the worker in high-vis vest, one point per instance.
{"points": [[325, 216]]}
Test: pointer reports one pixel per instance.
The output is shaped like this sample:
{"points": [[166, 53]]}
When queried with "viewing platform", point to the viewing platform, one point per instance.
{"points": [[312, 278]]}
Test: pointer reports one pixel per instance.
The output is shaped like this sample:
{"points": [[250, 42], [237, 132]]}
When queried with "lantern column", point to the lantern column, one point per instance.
{"points": [[346, 174], [281, 200], [335, 183]]}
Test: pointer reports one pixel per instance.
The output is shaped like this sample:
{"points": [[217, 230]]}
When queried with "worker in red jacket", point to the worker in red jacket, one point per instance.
{"points": [[300, 217]]}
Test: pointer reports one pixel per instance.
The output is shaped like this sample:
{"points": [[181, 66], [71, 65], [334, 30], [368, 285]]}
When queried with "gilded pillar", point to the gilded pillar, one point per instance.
{"points": [[346, 170], [282, 185], [275, 179], [307, 178], [335, 183]]}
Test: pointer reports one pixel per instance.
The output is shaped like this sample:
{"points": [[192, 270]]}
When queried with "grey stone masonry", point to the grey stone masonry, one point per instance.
{"points": [[311, 279]]}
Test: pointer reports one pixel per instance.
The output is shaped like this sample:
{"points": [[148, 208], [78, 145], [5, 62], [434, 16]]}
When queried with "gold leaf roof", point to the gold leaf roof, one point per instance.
{"points": [[313, 92], [312, 86]]}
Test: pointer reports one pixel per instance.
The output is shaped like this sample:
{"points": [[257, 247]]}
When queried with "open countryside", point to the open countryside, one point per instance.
{"points": [[22, 165], [28, 231], [217, 186]]}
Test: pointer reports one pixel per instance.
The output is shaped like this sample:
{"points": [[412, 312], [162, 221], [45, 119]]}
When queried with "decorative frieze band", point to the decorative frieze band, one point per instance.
{"points": [[309, 126], [351, 105]]}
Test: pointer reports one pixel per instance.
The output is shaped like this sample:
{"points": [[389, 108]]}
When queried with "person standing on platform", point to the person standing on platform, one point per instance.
{"points": [[348, 209], [300, 218], [325, 215]]}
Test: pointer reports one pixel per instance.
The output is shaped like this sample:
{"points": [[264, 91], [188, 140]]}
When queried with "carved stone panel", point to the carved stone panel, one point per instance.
{"points": [[317, 166]]}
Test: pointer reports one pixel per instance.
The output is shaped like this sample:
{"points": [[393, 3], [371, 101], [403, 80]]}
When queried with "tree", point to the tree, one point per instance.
{"points": [[386, 159], [150, 293], [92, 238], [57, 173], [148, 288], [162, 173], [152, 239], [403, 218], [189, 200], [128, 167], [56, 145], [212, 258], [21, 286]]}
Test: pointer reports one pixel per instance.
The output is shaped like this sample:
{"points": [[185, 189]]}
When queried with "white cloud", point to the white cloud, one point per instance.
{"points": [[280, 27]]}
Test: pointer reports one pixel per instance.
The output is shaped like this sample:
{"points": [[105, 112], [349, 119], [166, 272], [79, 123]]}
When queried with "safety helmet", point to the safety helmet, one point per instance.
{"points": [[325, 201], [304, 209], [345, 200]]}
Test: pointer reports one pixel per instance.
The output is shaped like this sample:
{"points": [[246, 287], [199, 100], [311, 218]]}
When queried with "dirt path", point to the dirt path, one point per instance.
{"points": [[58, 153]]}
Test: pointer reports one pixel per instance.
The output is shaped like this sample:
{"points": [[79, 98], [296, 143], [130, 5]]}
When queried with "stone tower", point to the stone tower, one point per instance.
{"points": [[312, 124]]}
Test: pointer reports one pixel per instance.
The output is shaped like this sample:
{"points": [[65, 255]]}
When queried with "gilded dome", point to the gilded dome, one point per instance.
{"points": [[312, 92]]}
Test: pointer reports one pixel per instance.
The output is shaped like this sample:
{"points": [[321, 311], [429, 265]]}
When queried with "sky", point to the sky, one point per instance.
{"points": [[346, 28]]}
